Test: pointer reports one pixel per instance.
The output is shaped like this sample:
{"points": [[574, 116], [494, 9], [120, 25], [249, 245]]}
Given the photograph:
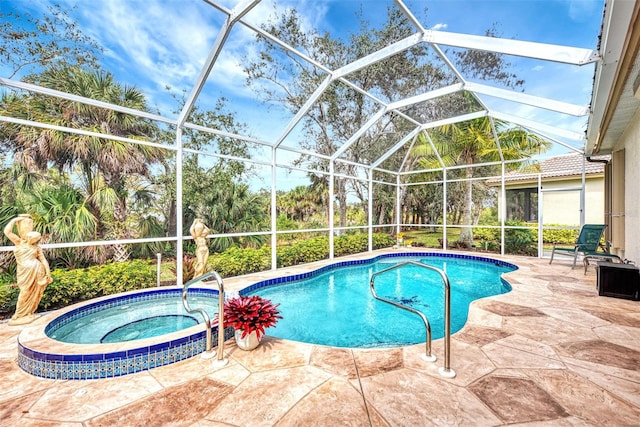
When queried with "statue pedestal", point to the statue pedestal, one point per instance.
{"points": [[23, 320]]}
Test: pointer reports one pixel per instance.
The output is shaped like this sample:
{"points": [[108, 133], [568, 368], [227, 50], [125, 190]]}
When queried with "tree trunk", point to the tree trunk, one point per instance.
{"points": [[173, 220], [466, 235], [381, 217], [120, 251]]}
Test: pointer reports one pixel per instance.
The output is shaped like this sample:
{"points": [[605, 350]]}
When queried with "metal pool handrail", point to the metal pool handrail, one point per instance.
{"points": [[446, 371], [205, 279]]}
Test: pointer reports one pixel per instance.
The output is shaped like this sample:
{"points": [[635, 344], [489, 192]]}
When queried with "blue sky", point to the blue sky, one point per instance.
{"points": [[157, 43]]}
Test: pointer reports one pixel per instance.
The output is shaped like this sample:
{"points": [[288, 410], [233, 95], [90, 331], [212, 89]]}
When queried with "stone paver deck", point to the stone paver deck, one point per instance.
{"points": [[549, 353]]}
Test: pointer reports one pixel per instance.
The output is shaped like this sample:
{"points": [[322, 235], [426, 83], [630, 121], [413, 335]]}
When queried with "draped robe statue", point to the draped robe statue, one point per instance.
{"points": [[32, 272], [199, 232]]}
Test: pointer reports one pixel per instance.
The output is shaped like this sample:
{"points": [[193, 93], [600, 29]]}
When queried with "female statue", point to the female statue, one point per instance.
{"points": [[199, 232], [33, 274]]}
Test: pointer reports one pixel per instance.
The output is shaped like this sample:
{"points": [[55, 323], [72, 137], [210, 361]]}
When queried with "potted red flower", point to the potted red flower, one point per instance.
{"points": [[250, 316]]}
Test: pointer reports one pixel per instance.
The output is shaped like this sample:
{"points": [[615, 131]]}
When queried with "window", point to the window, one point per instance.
{"points": [[522, 204]]}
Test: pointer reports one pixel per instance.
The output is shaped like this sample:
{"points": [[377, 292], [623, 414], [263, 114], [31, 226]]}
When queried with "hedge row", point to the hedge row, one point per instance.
{"points": [[548, 236], [71, 286], [235, 261]]}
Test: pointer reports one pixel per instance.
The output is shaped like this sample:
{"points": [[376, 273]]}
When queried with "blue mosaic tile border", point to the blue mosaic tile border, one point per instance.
{"points": [[326, 268], [115, 364]]}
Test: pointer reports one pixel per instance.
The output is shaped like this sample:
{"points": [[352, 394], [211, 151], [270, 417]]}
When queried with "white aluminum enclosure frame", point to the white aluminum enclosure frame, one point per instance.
{"points": [[434, 39]]}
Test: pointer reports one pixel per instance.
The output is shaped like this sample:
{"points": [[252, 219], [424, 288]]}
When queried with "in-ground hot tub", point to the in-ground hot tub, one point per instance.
{"points": [[42, 355]]}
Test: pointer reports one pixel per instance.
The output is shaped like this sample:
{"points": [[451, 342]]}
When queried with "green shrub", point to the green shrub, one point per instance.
{"points": [[8, 297], [68, 287], [284, 223], [350, 244], [317, 248], [381, 240], [188, 268], [314, 249], [71, 286], [488, 234], [236, 261], [519, 241], [565, 236], [489, 246], [560, 236], [123, 276]]}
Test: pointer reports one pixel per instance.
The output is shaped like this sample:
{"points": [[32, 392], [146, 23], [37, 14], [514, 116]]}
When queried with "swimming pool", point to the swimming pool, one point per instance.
{"points": [[336, 307], [40, 355]]}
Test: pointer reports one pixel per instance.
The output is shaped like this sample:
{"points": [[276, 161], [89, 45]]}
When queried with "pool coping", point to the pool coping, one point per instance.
{"points": [[44, 357]]}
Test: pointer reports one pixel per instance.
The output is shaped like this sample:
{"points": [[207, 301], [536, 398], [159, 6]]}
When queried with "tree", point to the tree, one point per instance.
{"points": [[300, 80], [103, 166], [29, 45], [423, 203], [471, 142], [341, 111], [299, 203], [224, 205], [61, 214], [214, 186]]}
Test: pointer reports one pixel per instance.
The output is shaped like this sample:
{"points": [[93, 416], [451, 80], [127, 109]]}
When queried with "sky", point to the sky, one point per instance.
{"points": [[154, 44]]}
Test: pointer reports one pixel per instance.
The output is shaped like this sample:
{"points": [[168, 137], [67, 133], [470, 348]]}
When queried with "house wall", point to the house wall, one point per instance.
{"points": [[563, 207], [630, 142]]}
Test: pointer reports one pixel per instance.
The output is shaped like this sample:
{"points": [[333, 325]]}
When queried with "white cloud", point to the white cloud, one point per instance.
{"points": [[165, 41], [581, 10], [160, 43], [439, 27]]}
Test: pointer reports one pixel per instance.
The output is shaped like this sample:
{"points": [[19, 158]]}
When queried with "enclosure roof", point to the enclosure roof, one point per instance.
{"points": [[439, 41], [588, 127]]}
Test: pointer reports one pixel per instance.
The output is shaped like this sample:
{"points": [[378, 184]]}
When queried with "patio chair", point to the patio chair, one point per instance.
{"points": [[586, 244]]}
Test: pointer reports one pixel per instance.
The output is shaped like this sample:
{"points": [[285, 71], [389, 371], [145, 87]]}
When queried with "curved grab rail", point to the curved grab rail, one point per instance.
{"points": [[205, 279], [404, 307], [446, 371]]}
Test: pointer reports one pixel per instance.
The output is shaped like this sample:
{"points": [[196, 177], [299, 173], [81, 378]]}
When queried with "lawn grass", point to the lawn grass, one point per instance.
{"points": [[429, 239]]}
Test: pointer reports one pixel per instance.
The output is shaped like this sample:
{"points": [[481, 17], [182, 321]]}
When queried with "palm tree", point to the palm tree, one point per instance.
{"points": [[235, 209], [319, 194], [284, 204], [102, 164], [472, 142], [60, 213]]}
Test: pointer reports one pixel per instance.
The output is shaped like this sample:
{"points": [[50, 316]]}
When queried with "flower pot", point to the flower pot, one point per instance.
{"points": [[249, 342], [25, 225]]}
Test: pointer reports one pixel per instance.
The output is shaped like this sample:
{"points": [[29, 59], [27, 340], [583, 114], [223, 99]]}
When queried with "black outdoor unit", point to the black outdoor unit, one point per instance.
{"points": [[618, 280]]}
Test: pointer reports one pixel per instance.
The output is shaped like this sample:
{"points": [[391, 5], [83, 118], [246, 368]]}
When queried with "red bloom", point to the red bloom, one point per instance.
{"points": [[250, 314]]}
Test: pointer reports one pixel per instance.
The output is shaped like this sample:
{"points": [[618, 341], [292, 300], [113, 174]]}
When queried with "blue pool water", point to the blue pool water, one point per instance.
{"points": [[336, 308], [149, 327], [333, 306], [343, 314], [129, 320]]}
